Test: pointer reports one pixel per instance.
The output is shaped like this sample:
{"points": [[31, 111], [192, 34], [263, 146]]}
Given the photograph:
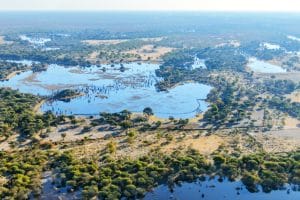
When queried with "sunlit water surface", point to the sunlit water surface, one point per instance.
{"points": [[112, 90]]}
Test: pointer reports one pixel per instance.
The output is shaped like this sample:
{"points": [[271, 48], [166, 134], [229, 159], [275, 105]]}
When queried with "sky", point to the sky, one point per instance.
{"points": [[141, 5]]}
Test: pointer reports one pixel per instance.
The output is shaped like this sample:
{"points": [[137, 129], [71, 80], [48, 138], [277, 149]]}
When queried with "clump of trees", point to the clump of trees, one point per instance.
{"points": [[280, 87], [131, 178], [21, 174], [285, 105], [223, 58], [17, 115], [66, 94]]}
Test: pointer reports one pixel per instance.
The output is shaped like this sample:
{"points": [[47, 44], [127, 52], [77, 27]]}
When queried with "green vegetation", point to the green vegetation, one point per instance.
{"points": [[66, 95], [17, 115], [132, 178], [280, 87], [20, 174], [285, 106], [223, 58]]}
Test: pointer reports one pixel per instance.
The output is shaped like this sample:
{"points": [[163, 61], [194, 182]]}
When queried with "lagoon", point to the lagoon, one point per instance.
{"points": [[264, 67], [109, 88]]}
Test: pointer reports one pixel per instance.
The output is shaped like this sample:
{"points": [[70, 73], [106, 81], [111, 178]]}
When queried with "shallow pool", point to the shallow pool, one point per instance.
{"points": [[214, 190], [109, 89], [264, 67]]}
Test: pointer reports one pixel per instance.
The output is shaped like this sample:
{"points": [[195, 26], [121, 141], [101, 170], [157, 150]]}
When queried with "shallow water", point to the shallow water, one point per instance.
{"points": [[112, 90], [270, 46], [214, 190], [291, 37], [264, 67], [35, 41], [199, 63]]}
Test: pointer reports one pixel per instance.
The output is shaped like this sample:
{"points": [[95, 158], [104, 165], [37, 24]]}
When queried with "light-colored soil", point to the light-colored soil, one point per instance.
{"points": [[75, 134], [93, 55], [293, 76], [103, 42], [3, 181], [2, 41], [37, 107], [150, 52], [205, 144], [5, 145], [13, 74], [291, 123], [295, 96], [279, 140]]}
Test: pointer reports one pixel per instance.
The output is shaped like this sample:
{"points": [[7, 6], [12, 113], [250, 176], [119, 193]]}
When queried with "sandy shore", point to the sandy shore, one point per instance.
{"points": [[12, 74], [37, 107]]}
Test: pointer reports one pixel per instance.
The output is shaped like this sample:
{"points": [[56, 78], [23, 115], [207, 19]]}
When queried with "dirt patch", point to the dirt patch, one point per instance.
{"points": [[2, 41], [290, 122], [150, 52], [37, 107], [94, 55], [205, 144], [13, 74], [295, 96], [285, 140], [293, 76]]}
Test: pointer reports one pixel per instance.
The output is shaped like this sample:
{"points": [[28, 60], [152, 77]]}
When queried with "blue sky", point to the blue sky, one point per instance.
{"points": [[202, 5]]}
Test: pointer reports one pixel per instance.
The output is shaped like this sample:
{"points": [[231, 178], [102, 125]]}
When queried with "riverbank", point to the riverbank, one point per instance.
{"points": [[12, 74], [37, 107]]}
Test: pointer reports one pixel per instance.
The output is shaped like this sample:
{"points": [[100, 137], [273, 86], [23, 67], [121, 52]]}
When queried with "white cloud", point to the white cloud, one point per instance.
{"points": [[204, 5]]}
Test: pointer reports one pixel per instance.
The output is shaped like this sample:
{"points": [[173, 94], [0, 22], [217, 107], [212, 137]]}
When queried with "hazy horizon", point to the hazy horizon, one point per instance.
{"points": [[154, 5]]}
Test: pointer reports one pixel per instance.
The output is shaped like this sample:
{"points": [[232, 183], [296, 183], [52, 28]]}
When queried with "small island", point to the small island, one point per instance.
{"points": [[66, 95]]}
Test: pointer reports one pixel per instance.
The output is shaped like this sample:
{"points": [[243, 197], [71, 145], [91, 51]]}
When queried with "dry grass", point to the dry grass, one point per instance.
{"points": [[204, 144], [150, 52], [293, 76], [279, 140], [295, 96]]}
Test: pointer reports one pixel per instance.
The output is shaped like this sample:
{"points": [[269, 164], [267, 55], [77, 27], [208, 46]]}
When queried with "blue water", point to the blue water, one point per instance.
{"points": [[214, 190], [112, 90], [264, 67]]}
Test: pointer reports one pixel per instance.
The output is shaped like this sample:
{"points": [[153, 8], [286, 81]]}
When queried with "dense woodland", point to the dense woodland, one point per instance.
{"points": [[17, 115]]}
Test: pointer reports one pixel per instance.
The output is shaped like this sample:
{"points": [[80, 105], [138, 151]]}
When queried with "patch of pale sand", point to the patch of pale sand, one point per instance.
{"points": [[5, 145], [154, 118], [2, 41], [196, 119], [89, 149], [93, 55], [293, 76], [103, 42], [11, 75], [37, 107], [3, 181], [295, 96], [205, 144], [290, 122], [285, 140], [150, 51]]}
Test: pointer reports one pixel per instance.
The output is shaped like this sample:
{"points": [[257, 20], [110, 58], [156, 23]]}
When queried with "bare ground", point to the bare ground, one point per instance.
{"points": [[150, 52]]}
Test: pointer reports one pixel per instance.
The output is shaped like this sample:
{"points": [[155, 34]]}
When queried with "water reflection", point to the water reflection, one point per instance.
{"points": [[215, 190], [264, 67], [108, 89]]}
